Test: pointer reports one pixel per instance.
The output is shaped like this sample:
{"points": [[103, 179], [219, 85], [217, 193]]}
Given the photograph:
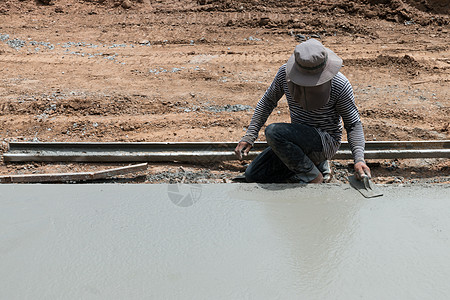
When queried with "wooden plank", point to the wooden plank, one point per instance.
{"points": [[201, 157], [199, 152], [64, 177], [197, 146]]}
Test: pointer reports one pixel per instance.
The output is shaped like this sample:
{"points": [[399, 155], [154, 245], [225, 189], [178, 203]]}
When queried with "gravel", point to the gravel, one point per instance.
{"points": [[183, 176], [160, 70], [37, 46], [16, 43], [251, 38], [229, 108], [4, 37], [44, 44], [218, 108]]}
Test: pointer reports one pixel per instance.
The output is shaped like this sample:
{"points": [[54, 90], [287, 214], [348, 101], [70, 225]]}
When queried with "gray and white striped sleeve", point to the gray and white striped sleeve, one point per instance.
{"points": [[346, 107], [265, 107]]}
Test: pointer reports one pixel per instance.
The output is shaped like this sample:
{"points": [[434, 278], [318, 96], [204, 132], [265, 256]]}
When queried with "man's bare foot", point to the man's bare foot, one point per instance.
{"points": [[318, 179]]}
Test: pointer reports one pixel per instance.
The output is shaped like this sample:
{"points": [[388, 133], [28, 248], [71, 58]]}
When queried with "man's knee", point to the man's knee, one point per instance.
{"points": [[273, 131]]}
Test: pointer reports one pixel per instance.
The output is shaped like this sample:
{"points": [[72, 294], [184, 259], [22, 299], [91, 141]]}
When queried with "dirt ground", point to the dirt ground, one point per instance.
{"points": [[194, 71]]}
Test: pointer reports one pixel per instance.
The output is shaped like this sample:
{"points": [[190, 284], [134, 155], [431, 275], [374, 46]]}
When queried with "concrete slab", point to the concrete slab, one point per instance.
{"points": [[225, 241]]}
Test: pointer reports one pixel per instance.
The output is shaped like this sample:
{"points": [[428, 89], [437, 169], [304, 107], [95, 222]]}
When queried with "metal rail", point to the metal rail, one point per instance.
{"points": [[199, 152]]}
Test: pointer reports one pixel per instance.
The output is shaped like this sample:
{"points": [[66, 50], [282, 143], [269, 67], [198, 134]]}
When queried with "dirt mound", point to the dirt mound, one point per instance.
{"points": [[406, 63], [412, 11], [423, 12], [434, 6], [66, 6]]}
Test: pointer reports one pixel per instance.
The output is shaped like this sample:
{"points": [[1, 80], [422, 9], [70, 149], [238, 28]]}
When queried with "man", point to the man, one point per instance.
{"points": [[318, 96]]}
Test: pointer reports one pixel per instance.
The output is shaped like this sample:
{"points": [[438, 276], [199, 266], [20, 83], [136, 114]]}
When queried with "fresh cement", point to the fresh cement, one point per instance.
{"points": [[224, 241]]}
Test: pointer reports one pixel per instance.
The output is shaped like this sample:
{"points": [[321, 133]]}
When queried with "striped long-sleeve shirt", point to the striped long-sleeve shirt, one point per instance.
{"points": [[326, 120]]}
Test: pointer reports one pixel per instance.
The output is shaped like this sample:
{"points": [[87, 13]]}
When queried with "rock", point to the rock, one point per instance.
{"points": [[264, 21], [300, 37], [46, 2], [127, 4], [229, 23], [59, 10]]}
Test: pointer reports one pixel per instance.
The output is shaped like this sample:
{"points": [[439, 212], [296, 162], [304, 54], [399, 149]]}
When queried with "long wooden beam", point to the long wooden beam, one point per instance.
{"points": [[67, 177], [199, 152]]}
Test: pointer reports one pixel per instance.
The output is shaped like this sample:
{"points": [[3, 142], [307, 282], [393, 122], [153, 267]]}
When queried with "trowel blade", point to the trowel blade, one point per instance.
{"points": [[366, 187]]}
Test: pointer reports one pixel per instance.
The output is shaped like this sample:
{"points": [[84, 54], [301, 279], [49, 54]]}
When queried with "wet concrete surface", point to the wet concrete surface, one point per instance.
{"points": [[223, 241]]}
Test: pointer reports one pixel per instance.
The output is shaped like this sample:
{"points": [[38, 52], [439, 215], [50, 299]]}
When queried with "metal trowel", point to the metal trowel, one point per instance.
{"points": [[366, 187]]}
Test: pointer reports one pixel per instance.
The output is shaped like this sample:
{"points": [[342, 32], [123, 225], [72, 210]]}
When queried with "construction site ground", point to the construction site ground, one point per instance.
{"points": [[176, 71]]}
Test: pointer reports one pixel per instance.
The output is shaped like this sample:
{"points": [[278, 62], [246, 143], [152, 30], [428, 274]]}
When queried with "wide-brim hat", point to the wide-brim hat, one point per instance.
{"points": [[312, 64]]}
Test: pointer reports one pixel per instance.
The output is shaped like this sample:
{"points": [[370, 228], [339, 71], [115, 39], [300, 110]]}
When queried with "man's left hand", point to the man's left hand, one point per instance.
{"points": [[361, 170]]}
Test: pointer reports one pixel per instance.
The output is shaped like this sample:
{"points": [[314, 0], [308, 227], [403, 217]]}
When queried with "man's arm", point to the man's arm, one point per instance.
{"points": [[263, 109], [355, 135], [356, 141]]}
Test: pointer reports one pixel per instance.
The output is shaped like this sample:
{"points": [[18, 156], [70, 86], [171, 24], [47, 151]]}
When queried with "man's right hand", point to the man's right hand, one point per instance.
{"points": [[361, 170], [242, 149]]}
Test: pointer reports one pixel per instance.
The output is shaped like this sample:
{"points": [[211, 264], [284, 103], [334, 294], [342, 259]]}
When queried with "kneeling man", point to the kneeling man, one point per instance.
{"points": [[319, 96]]}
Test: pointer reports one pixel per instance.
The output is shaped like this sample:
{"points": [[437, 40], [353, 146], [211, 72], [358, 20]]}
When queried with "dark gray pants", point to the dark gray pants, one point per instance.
{"points": [[294, 154]]}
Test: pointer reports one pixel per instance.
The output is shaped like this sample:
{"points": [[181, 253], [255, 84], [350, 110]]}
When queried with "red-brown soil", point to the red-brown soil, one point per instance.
{"points": [[193, 70]]}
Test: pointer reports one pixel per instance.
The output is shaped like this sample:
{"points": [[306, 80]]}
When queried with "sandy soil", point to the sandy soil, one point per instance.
{"points": [[194, 70]]}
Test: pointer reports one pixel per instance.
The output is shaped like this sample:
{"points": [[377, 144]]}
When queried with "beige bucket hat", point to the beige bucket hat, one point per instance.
{"points": [[309, 71]]}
